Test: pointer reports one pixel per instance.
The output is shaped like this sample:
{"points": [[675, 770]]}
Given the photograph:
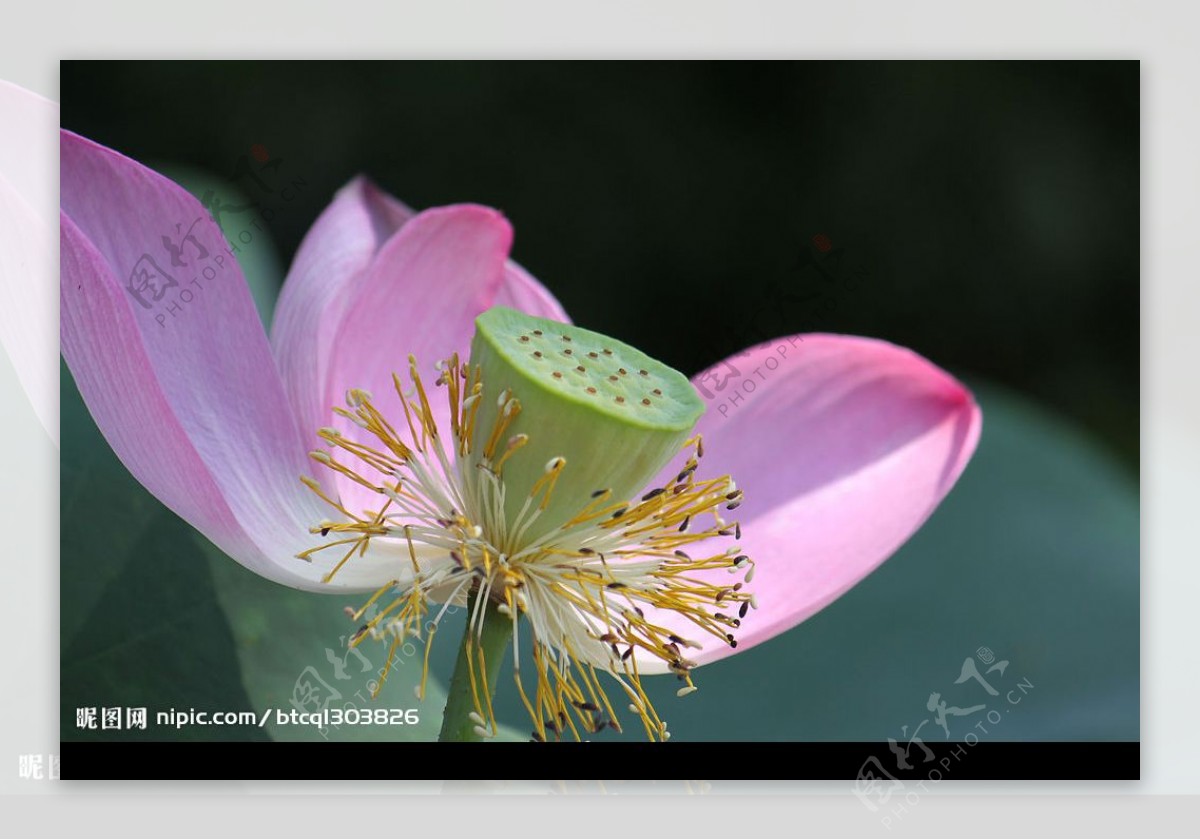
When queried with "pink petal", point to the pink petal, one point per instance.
{"points": [[28, 172], [26, 160], [843, 446], [522, 292], [329, 271], [332, 259], [184, 386], [420, 296]]}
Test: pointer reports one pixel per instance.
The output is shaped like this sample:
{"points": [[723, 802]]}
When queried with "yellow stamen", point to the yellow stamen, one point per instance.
{"points": [[587, 588]]}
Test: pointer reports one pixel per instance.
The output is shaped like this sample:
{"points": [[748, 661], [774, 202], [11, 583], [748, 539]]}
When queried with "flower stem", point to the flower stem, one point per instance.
{"points": [[457, 724]]}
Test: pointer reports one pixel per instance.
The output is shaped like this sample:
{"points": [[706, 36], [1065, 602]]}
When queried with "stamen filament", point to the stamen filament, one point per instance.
{"points": [[587, 587]]}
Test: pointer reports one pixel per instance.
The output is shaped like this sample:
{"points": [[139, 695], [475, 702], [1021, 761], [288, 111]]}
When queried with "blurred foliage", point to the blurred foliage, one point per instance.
{"points": [[140, 623]]}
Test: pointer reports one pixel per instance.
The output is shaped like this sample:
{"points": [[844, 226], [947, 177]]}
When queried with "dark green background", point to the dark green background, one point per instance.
{"points": [[991, 210]]}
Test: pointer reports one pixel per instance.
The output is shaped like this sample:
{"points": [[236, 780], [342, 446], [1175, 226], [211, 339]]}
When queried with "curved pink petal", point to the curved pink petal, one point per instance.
{"points": [[522, 292], [28, 172], [333, 257], [26, 149], [843, 447], [160, 332], [327, 274], [420, 296]]}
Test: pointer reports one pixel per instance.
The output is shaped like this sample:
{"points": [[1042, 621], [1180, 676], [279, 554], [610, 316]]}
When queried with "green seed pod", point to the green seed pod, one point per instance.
{"points": [[613, 414]]}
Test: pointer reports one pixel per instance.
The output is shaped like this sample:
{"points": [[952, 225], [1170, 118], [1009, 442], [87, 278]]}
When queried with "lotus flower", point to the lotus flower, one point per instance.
{"points": [[485, 448]]}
